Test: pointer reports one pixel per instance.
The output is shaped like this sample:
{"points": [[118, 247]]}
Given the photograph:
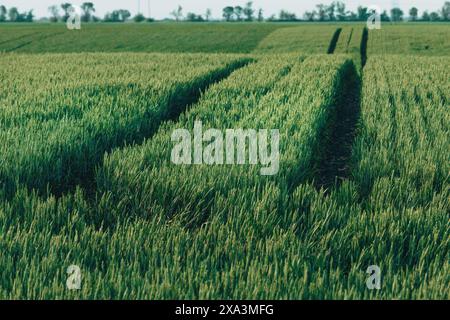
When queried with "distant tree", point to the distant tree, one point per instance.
{"points": [[66, 8], [228, 13], [352, 16], [208, 14], [88, 9], [309, 15], [434, 16], [177, 13], [192, 17], [362, 13], [13, 14], [272, 18], [384, 16], [445, 12], [321, 12], [117, 16], [139, 18], [111, 17], [29, 17], [330, 10], [413, 13], [249, 11], [108, 17], [426, 16], [124, 15], [3, 13], [238, 12], [54, 13], [396, 14], [340, 9], [287, 16], [260, 15]]}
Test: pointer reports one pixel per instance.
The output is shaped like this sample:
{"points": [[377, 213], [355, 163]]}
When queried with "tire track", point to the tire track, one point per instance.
{"points": [[335, 151], [31, 41], [349, 40], [334, 41], [364, 41]]}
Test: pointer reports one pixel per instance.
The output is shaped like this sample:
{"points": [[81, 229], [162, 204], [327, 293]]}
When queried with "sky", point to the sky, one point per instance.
{"points": [[160, 9]]}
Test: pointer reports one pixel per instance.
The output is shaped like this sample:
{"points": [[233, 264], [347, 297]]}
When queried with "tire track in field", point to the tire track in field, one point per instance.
{"points": [[180, 102], [364, 41], [19, 46], [82, 173], [20, 38], [334, 41], [349, 40], [31, 41], [334, 165], [335, 152]]}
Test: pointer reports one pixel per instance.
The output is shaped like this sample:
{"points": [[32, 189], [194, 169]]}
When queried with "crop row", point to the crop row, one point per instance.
{"points": [[404, 135], [300, 106], [306, 39], [410, 39], [393, 212], [58, 121], [306, 244], [175, 38], [228, 257], [301, 245]]}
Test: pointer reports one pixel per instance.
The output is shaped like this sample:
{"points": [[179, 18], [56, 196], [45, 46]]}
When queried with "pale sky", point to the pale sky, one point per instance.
{"points": [[161, 8]]}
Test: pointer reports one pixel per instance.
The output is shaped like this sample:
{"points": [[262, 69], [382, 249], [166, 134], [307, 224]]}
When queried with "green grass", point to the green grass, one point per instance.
{"points": [[168, 37], [86, 175], [156, 37], [405, 130], [350, 42], [57, 133], [419, 39], [306, 38], [292, 106], [304, 243]]}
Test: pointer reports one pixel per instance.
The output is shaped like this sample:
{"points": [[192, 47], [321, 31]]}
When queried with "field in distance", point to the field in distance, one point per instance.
{"points": [[418, 38]]}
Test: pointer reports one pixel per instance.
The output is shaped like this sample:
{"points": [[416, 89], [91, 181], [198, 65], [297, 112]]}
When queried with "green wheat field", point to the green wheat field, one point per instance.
{"points": [[86, 177]]}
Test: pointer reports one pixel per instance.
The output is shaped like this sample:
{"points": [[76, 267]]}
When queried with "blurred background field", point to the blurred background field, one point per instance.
{"points": [[417, 38]]}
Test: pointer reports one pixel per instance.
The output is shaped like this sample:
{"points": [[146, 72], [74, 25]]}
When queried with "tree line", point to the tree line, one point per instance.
{"points": [[60, 13], [336, 11], [13, 15]]}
